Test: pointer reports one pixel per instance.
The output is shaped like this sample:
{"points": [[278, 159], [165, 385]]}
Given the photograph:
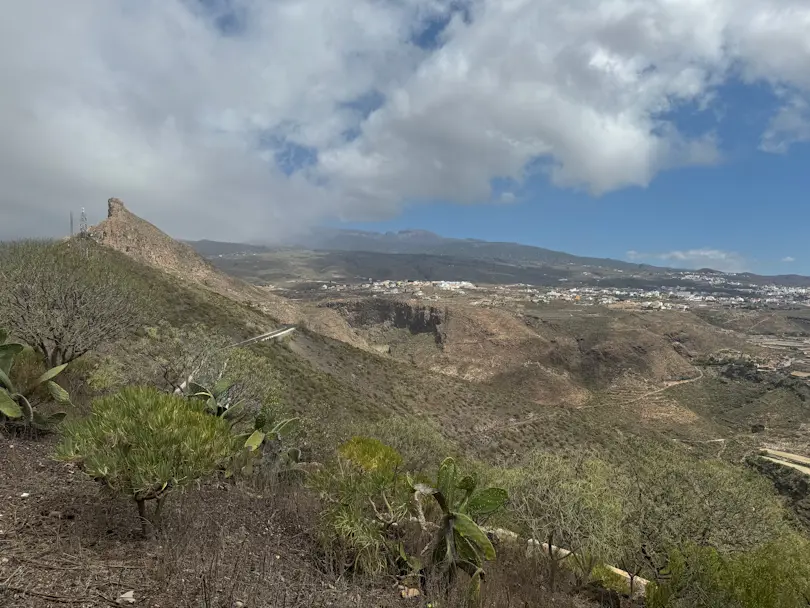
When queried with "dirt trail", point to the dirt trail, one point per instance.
{"points": [[668, 386]]}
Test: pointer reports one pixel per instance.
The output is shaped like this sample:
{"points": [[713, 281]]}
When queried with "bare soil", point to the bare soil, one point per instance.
{"points": [[63, 542]]}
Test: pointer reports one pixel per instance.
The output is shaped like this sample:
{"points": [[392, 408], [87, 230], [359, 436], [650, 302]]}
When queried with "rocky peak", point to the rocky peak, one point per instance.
{"points": [[115, 207]]}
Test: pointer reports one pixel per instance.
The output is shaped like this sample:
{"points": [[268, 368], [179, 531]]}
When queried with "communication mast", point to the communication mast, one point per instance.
{"points": [[83, 224], [71, 224]]}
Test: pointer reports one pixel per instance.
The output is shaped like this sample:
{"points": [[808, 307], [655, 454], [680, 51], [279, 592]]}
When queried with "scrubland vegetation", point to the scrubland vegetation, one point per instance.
{"points": [[193, 474]]}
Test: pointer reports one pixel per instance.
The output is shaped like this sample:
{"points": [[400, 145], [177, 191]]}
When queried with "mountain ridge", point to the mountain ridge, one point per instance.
{"points": [[426, 243], [137, 238]]}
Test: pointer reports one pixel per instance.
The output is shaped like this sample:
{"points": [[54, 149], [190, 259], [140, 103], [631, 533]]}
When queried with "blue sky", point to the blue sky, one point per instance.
{"points": [[665, 131], [753, 205]]}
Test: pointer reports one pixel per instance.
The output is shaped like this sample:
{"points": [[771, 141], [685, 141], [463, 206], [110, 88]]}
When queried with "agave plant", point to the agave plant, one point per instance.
{"points": [[460, 543], [218, 399], [265, 445], [15, 404]]}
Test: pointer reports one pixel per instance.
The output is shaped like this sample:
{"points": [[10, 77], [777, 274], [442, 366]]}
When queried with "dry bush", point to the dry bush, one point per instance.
{"points": [[66, 299]]}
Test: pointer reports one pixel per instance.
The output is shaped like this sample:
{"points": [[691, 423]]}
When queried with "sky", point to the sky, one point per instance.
{"points": [[673, 132]]}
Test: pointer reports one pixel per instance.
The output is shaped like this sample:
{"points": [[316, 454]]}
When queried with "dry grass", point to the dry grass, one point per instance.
{"points": [[63, 543]]}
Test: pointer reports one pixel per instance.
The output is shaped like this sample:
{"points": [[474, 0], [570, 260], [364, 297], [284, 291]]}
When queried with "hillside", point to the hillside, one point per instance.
{"points": [[441, 361], [127, 233], [586, 391]]}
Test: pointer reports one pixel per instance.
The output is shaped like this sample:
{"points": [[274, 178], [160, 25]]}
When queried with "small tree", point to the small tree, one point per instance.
{"points": [[568, 504], [142, 443], [65, 299], [171, 355]]}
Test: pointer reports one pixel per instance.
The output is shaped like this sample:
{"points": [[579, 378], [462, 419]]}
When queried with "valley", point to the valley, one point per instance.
{"points": [[664, 382]]}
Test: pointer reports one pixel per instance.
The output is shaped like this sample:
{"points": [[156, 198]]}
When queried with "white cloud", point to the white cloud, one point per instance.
{"points": [[788, 259], [150, 102], [790, 125], [716, 259]]}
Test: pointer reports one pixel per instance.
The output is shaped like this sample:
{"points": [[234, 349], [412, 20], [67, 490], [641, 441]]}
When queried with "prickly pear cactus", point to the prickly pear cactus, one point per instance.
{"points": [[460, 543]]}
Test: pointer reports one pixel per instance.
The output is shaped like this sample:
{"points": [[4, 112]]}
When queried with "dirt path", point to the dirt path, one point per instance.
{"points": [[531, 419], [768, 318], [667, 387]]}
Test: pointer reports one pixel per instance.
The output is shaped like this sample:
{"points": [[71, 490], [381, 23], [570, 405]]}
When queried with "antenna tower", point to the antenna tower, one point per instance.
{"points": [[71, 224], [83, 224]]}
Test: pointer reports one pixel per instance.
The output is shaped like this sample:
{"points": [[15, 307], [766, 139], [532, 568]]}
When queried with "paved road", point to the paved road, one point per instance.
{"points": [[794, 461], [270, 335]]}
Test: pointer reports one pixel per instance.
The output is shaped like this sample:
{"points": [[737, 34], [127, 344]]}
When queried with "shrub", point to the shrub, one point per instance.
{"points": [[365, 503], [372, 455], [671, 500], [169, 355], [776, 575], [65, 299], [107, 374], [568, 503], [142, 443], [418, 440]]}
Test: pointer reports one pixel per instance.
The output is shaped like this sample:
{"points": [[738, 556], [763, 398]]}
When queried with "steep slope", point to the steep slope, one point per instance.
{"points": [[126, 232], [550, 357]]}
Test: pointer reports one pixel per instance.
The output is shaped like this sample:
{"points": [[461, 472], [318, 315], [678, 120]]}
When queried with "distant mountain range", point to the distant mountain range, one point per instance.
{"points": [[426, 242], [406, 249]]}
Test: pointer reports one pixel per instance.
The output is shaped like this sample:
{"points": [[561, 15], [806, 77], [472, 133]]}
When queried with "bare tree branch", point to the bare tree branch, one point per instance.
{"points": [[65, 299]]}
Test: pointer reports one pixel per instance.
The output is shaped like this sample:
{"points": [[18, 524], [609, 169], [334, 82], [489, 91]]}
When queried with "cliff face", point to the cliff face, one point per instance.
{"points": [[417, 319]]}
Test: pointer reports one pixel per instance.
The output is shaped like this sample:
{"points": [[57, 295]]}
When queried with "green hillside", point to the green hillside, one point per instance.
{"points": [[321, 512]]}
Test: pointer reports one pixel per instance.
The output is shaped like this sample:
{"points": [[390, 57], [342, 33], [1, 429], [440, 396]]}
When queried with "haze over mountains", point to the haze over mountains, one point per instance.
{"points": [[485, 261]]}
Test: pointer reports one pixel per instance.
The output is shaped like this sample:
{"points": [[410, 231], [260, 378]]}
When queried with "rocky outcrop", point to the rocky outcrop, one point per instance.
{"points": [[416, 318], [126, 232]]}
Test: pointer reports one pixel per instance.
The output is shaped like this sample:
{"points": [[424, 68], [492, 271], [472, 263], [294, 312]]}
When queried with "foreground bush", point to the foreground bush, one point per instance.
{"points": [[65, 299], [142, 443], [776, 575], [365, 505], [568, 503]]}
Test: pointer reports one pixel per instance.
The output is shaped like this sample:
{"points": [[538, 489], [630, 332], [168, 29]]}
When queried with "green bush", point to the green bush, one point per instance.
{"points": [[365, 503], [142, 443], [107, 374], [776, 575], [418, 440], [372, 455]]}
